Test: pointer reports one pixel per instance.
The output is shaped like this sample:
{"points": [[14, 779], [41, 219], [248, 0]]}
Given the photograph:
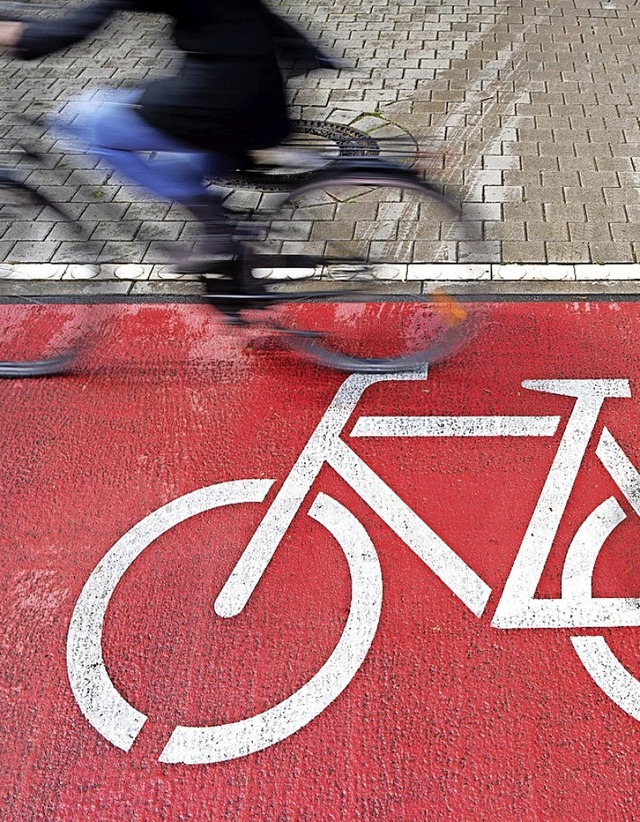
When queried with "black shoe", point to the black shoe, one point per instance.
{"points": [[233, 293], [222, 266]]}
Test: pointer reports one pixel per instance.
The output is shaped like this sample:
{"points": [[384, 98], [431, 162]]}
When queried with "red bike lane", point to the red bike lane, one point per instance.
{"points": [[368, 675]]}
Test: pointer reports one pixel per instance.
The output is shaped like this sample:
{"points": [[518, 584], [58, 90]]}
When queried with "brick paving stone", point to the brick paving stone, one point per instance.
{"points": [[569, 252], [611, 252], [32, 252], [527, 251], [504, 230], [590, 231]]}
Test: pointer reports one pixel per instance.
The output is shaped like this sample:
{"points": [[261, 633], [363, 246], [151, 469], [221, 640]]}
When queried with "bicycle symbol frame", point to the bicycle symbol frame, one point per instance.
{"points": [[120, 723]]}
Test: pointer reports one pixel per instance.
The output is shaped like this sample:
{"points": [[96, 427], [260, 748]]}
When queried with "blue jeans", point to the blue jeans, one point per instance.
{"points": [[106, 123]]}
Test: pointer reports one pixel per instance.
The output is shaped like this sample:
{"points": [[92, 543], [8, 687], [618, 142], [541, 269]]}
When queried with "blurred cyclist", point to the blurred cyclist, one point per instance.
{"points": [[227, 98]]}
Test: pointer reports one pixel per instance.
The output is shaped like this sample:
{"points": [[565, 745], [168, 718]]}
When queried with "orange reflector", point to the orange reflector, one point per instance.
{"points": [[449, 308]]}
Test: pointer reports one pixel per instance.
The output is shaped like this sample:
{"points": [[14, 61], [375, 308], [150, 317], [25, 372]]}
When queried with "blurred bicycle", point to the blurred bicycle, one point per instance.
{"points": [[344, 219]]}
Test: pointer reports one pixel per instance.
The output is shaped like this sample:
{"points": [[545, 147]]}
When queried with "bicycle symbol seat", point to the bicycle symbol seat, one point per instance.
{"points": [[120, 723]]}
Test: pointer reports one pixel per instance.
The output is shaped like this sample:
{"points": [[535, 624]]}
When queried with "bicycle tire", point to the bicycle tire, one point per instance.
{"points": [[328, 196], [27, 355]]}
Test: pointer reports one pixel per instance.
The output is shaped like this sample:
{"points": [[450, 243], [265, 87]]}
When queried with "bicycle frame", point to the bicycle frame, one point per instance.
{"points": [[517, 607]]}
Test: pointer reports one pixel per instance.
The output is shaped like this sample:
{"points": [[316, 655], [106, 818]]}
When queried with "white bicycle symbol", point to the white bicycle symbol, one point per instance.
{"points": [[120, 723]]}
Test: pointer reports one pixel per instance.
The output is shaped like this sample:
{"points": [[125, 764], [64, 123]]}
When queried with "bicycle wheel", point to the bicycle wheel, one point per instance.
{"points": [[359, 231], [120, 723], [35, 339]]}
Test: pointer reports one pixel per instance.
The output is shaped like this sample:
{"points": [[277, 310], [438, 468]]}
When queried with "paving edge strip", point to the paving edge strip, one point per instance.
{"points": [[190, 291]]}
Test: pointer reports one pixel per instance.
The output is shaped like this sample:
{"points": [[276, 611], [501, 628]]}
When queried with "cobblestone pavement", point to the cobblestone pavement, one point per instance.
{"points": [[526, 110]]}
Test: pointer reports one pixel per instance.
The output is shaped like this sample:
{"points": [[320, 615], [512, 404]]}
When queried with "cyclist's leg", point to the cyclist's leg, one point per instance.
{"points": [[108, 126]]}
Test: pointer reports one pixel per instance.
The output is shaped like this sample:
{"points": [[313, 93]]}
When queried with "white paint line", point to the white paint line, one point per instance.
{"points": [[201, 745], [620, 468], [80, 272], [415, 272], [423, 541], [32, 271], [132, 271], [455, 426], [608, 673], [616, 271], [262, 546], [102, 705], [448, 271], [550, 271], [518, 606], [577, 573]]}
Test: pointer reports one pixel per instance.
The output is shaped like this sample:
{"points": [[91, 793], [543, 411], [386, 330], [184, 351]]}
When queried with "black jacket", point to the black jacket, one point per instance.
{"points": [[228, 94]]}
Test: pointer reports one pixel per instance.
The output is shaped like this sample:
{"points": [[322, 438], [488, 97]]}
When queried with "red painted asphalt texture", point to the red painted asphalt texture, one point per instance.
{"points": [[448, 718]]}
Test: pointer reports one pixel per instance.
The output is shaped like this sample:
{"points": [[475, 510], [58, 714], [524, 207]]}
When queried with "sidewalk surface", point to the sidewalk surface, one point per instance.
{"points": [[531, 108]]}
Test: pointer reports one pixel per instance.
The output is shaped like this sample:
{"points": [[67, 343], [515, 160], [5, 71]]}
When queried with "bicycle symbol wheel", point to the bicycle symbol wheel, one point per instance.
{"points": [[120, 723], [602, 664], [604, 667]]}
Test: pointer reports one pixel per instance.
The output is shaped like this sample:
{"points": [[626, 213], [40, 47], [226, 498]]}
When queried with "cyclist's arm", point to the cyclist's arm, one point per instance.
{"points": [[37, 38], [292, 42]]}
